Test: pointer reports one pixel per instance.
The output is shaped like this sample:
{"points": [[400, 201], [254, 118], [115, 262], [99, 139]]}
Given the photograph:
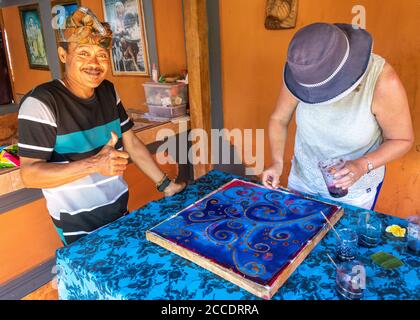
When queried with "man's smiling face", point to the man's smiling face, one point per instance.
{"points": [[86, 64]]}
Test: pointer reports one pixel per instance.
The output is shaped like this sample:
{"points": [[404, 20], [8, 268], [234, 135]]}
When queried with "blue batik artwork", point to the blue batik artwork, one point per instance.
{"points": [[248, 229]]}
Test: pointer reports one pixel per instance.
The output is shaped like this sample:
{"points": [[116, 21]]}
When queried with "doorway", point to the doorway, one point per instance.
{"points": [[6, 95]]}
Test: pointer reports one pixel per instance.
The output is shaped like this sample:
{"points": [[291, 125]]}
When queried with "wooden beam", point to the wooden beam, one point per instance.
{"points": [[196, 38]]}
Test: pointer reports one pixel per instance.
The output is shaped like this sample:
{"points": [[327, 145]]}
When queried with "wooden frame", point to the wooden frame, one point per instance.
{"points": [[142, 41], [265, 292], [22, 10]]}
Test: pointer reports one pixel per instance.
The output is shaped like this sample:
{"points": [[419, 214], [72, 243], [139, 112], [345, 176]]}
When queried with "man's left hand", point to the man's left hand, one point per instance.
{"points": [[174, 188], [352, 172]]}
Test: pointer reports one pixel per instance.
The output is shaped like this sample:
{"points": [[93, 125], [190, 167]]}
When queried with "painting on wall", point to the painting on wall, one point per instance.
{"points": [[129, 55], [62, 9], [281, 14], [33, 37], [247, 234]]}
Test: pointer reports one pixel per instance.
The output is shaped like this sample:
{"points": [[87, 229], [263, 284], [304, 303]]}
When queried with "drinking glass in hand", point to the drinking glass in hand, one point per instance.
{"points": [[329, 168]]}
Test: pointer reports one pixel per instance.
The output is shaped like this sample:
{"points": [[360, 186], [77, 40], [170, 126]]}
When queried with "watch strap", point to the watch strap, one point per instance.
{"points": [[164, 184], [370, 166]]}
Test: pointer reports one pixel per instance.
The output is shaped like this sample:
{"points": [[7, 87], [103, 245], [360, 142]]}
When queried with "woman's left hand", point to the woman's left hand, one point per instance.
{"points": [[352, 171]]}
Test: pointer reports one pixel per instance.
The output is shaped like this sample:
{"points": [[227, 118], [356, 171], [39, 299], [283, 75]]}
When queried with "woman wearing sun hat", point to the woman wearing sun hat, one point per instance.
{"points": [[349, 103]]}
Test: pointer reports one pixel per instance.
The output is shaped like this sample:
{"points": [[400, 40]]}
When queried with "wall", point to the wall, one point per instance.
{"points": [[252, 65], [170, 45]]}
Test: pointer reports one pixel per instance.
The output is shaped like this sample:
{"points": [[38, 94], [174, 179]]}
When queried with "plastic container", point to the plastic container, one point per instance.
{"points": [[166, 94], [167, 112]]}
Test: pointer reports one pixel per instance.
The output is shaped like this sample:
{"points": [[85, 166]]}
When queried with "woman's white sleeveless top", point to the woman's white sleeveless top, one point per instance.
{"points": [[345, 128]]}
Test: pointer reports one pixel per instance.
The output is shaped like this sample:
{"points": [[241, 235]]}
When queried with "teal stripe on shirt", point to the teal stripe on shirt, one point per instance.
{"points": [[60, 233], [87, 140]]}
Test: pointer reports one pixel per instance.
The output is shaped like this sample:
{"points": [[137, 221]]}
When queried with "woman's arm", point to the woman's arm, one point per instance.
{"points": [[390, 106], [279, 122]]}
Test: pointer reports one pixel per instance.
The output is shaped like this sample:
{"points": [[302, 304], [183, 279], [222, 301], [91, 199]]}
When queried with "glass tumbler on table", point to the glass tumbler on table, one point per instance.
{"points": [[350, 280], [346, 245], [413, 234], [369, 230]]}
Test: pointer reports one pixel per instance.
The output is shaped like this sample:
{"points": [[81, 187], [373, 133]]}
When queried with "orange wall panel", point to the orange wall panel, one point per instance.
{"points": [[252, 68], [27, 238], [170, 39]]}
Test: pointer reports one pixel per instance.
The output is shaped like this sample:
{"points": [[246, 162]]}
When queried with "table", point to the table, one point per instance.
{"points": [[117, 262]]}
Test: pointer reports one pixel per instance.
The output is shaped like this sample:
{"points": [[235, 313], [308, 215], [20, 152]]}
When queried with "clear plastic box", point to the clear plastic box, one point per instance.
{"points": [[167, 112], [166, 94]]}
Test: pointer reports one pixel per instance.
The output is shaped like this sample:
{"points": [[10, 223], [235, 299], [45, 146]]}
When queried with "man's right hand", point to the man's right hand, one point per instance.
{"points": [[111, 162], [271, 176]]}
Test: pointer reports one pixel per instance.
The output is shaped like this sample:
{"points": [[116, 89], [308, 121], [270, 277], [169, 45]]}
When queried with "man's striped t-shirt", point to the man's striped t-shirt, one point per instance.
{"points": [[57, 126]]}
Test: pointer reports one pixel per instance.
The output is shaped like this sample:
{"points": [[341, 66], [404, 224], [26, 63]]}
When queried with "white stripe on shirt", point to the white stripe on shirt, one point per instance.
{"points": [[28, 146], [37, 120], [95, 207], [126, 121], [75, 187], [75, 233]]}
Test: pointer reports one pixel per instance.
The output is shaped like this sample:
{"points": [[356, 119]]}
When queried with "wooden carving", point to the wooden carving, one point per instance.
{"points": [[281, 14]]}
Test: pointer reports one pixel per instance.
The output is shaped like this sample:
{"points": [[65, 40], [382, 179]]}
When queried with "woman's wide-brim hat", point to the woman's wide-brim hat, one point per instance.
{"points": [[325, 61]]}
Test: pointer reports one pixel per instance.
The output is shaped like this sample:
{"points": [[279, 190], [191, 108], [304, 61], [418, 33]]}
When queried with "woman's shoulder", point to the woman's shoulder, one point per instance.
{"points": [[388, 88], [388, 80]]}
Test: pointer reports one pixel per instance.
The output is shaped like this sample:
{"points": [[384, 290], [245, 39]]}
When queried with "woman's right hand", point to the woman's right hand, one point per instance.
{"points": [[271, 176]]}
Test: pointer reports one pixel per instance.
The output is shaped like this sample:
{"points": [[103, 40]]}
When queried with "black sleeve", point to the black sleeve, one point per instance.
{"points": [[37, 130], [125, 122]]}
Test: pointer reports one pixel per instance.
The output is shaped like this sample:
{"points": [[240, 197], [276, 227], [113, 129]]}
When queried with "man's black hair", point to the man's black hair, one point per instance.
{"points": [[64, 45]]}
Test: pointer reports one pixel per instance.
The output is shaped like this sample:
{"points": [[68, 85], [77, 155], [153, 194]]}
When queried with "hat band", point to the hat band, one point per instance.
{"points": [[340, 66]]}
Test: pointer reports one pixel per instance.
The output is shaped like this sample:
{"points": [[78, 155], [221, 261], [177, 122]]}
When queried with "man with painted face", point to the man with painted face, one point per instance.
{"points": [[75, 137]]}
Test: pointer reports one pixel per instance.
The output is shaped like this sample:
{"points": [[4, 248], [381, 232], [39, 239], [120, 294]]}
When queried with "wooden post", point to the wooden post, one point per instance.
{"points": [[196, 38]]}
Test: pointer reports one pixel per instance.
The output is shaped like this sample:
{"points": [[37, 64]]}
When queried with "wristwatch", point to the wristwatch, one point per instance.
{"points": [[162, 184], [370, 166]]}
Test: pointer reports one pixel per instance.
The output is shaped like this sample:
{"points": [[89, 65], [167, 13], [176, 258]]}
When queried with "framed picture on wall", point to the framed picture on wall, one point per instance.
{"points": [[33, 37], [62, 9], [129, 55]]}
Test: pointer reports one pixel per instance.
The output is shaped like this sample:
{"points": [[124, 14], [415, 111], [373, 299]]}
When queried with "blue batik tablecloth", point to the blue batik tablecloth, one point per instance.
{"points": [[117, 262]]}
